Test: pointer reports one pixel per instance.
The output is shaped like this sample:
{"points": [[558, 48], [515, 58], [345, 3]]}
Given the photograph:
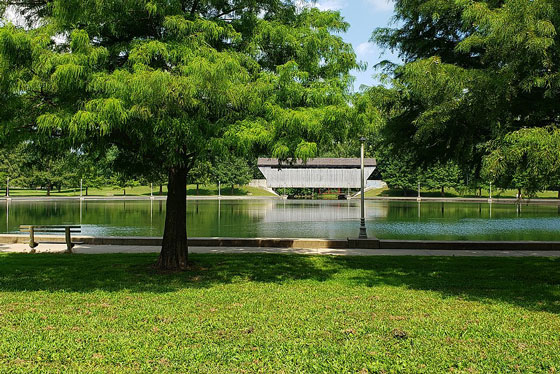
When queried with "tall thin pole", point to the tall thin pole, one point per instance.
{"points": [[8, 187], [363, 232], [81, 186]]}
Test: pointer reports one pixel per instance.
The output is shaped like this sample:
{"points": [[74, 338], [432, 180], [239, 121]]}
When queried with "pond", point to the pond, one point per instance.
{"points": [[296, 219]]}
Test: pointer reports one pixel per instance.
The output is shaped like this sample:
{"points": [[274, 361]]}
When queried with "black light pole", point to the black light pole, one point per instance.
{"points": [[363, 232]]}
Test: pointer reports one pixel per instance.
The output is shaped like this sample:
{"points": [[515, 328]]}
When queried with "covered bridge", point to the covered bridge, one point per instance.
{"points": [[315, 173]]}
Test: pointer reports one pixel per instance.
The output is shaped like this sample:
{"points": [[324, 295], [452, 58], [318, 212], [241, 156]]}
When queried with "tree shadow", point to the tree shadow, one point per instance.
{"points": [[532, 283]]}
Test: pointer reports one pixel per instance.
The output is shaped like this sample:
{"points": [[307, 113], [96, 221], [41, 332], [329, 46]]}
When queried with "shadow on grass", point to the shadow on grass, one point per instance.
{"points": [[532, 283]]}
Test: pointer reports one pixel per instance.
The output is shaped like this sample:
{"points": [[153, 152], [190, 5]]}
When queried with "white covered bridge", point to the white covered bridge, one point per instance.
{"points": [[316, 173]]}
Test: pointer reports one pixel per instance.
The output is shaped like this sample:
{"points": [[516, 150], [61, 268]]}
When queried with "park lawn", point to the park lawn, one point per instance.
{"points": [[259, 313], [210, 190], [451, 192]]}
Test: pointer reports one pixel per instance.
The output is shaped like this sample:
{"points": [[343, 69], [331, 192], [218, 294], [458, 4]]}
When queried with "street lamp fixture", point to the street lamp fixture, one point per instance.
{"points": [[363, 232]]}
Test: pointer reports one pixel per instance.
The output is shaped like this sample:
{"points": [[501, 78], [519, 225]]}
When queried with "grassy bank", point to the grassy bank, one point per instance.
{"points": [[274, 313], [450, 192], [203, 190]]}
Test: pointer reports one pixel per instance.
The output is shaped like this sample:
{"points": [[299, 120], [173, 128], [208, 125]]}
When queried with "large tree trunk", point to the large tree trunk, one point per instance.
{"points": [[161, 189], [174, 250], [49, 187]]}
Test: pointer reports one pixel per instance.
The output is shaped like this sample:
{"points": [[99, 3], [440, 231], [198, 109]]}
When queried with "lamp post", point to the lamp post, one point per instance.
{"points": [[363, 232]]}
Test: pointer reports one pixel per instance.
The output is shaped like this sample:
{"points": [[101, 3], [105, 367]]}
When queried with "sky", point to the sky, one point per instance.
{"points": [[364, 16]]}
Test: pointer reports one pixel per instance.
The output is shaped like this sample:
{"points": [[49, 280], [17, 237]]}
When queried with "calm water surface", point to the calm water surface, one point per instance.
{"points": [[305, 219]]}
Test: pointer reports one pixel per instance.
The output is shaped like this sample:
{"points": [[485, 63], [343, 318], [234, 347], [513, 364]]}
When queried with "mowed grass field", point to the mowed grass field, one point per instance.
{"points": [[203, 190], [279, 314], [451, 192]]}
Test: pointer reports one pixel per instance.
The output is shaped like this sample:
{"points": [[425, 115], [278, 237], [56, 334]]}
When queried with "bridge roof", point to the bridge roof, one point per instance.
{"points": [[334, 163]]}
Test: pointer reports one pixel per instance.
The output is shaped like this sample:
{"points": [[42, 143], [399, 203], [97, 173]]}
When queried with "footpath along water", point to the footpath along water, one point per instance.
{"points": [[296, 219]]}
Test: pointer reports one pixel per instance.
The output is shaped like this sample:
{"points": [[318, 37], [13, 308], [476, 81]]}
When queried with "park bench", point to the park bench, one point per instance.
{"points": [[66, 229]]}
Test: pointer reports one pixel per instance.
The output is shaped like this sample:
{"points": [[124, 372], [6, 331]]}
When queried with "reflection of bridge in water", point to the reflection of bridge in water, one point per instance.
{"points": [[310, 211]]}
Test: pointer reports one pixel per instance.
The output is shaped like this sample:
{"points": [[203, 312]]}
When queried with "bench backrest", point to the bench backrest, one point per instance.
{"points": [[50, 228]]}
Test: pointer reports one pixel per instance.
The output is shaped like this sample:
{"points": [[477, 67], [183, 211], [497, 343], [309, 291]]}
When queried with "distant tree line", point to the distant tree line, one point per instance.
{"points": [[31, 167]]}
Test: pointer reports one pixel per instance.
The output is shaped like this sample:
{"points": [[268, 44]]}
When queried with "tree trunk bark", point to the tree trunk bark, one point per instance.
{"points": [[559, 194], [161, 189], [87, 190], [49, 190], [174, 249], [197, 189], [442, 191], [124, 191]]}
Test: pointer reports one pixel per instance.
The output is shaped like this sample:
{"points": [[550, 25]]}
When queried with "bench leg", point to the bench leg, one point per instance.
{"points": [[32, 243], [69, 244]]}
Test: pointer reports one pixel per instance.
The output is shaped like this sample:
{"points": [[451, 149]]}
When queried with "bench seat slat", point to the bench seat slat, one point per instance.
{"points": [[49, 226], [52, 231]]}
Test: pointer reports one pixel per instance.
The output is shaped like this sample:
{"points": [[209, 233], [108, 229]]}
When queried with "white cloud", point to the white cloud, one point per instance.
{"points": [[12, 15], [365, 49], [323, 4], [331, 4], [381, 5]]}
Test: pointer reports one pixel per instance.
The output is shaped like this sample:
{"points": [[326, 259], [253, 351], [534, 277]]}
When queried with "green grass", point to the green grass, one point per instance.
{"points": [[450, 192], [143, 191], [279, 313]]}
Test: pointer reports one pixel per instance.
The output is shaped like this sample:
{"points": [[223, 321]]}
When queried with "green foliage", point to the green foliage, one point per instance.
{"points": [[188, 82], [400, 170], [231, 171], [441, 176], [528, 159], [201, 173], [171, 82], [476, 75]]}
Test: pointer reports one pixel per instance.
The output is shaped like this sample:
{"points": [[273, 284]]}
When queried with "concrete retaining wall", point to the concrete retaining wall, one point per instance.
{"points": [[302, 243]]}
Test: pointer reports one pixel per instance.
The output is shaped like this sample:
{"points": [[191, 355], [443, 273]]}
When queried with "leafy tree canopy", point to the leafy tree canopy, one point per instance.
{"points": [[475, 74], [171, 82]]}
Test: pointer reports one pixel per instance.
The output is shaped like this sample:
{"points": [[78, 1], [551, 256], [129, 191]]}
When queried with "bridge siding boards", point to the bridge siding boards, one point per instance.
{"points": [[329, 163], [315, 173]]}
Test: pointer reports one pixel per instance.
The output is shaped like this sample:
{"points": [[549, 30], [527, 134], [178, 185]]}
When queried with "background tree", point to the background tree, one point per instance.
{"points": [[440, 176], [474, 73], [231, 171], [12, 163], [201, 173], [527, 160], [171, 82], [398, 170]]}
